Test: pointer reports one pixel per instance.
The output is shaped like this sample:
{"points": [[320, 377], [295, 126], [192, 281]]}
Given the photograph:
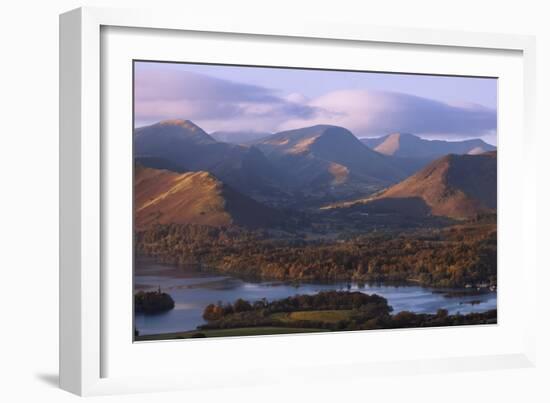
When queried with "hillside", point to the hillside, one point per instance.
{"points": [[407, 145], [182, 146], [455, 186], [164, 197]]}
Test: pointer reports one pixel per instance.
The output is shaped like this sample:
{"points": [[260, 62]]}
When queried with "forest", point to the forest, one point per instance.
{"points": [[461, 255]]}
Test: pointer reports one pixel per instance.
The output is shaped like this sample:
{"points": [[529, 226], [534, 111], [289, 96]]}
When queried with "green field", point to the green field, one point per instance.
{"points": [[330, 316], [246, 331]]}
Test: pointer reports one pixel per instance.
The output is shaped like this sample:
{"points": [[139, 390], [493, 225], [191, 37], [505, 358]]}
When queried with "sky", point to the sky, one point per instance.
{"points": [[238, 98]]}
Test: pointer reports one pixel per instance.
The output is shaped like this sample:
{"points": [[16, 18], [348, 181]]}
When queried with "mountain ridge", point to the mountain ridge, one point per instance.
{"points": [[166, 197], [408, 145], [305, 166], [323, 145]]}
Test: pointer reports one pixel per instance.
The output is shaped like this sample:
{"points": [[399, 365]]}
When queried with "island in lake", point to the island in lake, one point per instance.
{"points": [[275, 212]]}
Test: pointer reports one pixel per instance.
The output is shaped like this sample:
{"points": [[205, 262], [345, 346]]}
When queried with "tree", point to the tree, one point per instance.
{"points": [[212, 312], [241, 305]]}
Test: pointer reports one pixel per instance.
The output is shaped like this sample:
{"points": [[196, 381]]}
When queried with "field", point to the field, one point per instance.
{"points": [[331, 316]]}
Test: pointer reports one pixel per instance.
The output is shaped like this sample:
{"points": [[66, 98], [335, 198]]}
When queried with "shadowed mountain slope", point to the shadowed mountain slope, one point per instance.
{"points": [[185, 146]]}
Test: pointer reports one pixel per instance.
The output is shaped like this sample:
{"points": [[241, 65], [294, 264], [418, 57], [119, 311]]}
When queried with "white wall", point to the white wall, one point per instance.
{"points": [[28, 202]]}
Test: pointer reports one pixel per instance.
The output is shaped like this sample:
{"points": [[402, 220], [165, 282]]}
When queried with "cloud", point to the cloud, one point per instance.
{"points": [[218, 104], [372, 113], [223, 105]]}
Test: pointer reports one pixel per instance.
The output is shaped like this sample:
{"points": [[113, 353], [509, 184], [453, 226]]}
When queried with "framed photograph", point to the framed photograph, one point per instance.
{"points": [[241, 202]]}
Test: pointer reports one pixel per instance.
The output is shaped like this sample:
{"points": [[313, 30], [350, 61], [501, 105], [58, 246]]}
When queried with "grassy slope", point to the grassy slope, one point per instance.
{"points": [[165, 197]]}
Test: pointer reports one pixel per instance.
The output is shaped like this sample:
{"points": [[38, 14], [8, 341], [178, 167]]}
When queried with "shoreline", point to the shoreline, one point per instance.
{"points": [[182, 268]]}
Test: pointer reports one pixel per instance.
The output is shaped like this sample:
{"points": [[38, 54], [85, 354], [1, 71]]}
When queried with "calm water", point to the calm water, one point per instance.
{"points": [[192, 292]]}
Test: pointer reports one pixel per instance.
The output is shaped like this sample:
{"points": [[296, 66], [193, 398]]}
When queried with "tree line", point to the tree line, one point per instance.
{"points": [[450, 257], [358, 312]]}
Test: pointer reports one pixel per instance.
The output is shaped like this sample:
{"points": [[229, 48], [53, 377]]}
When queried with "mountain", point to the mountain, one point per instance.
{"points": [[165, 197], [181, 145], [405, 145], [455, 186], [239, 137], [326, 155]]}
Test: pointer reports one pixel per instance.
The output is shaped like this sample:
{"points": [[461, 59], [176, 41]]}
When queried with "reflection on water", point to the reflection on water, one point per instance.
{"points": [[193, 291]]}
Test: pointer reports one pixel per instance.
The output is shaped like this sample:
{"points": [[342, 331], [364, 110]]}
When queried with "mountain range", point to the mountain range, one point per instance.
{"points": [[315, 162], [184, 175], [325, 149], [407, 145]]}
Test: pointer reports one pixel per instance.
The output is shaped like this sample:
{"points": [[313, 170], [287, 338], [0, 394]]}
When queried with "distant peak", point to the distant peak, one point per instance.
{"points": [[393, 143], [187, 124], [316, 131]]}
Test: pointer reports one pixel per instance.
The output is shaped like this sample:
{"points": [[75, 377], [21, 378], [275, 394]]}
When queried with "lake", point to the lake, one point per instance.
{"points": [[193, 291]]}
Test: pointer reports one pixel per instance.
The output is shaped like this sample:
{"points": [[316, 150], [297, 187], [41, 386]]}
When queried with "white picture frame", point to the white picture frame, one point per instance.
{"points": [[85, 346]]}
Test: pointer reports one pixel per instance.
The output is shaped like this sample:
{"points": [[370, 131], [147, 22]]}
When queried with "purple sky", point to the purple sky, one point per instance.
{"points": [[232, 98]]}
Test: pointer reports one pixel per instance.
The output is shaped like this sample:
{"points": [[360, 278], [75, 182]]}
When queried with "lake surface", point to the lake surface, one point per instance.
{"points": [[193, 291]]}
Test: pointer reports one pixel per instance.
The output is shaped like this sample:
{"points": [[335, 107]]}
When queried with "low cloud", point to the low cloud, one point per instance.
{"points": [[217, 104], [374, 113]]}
